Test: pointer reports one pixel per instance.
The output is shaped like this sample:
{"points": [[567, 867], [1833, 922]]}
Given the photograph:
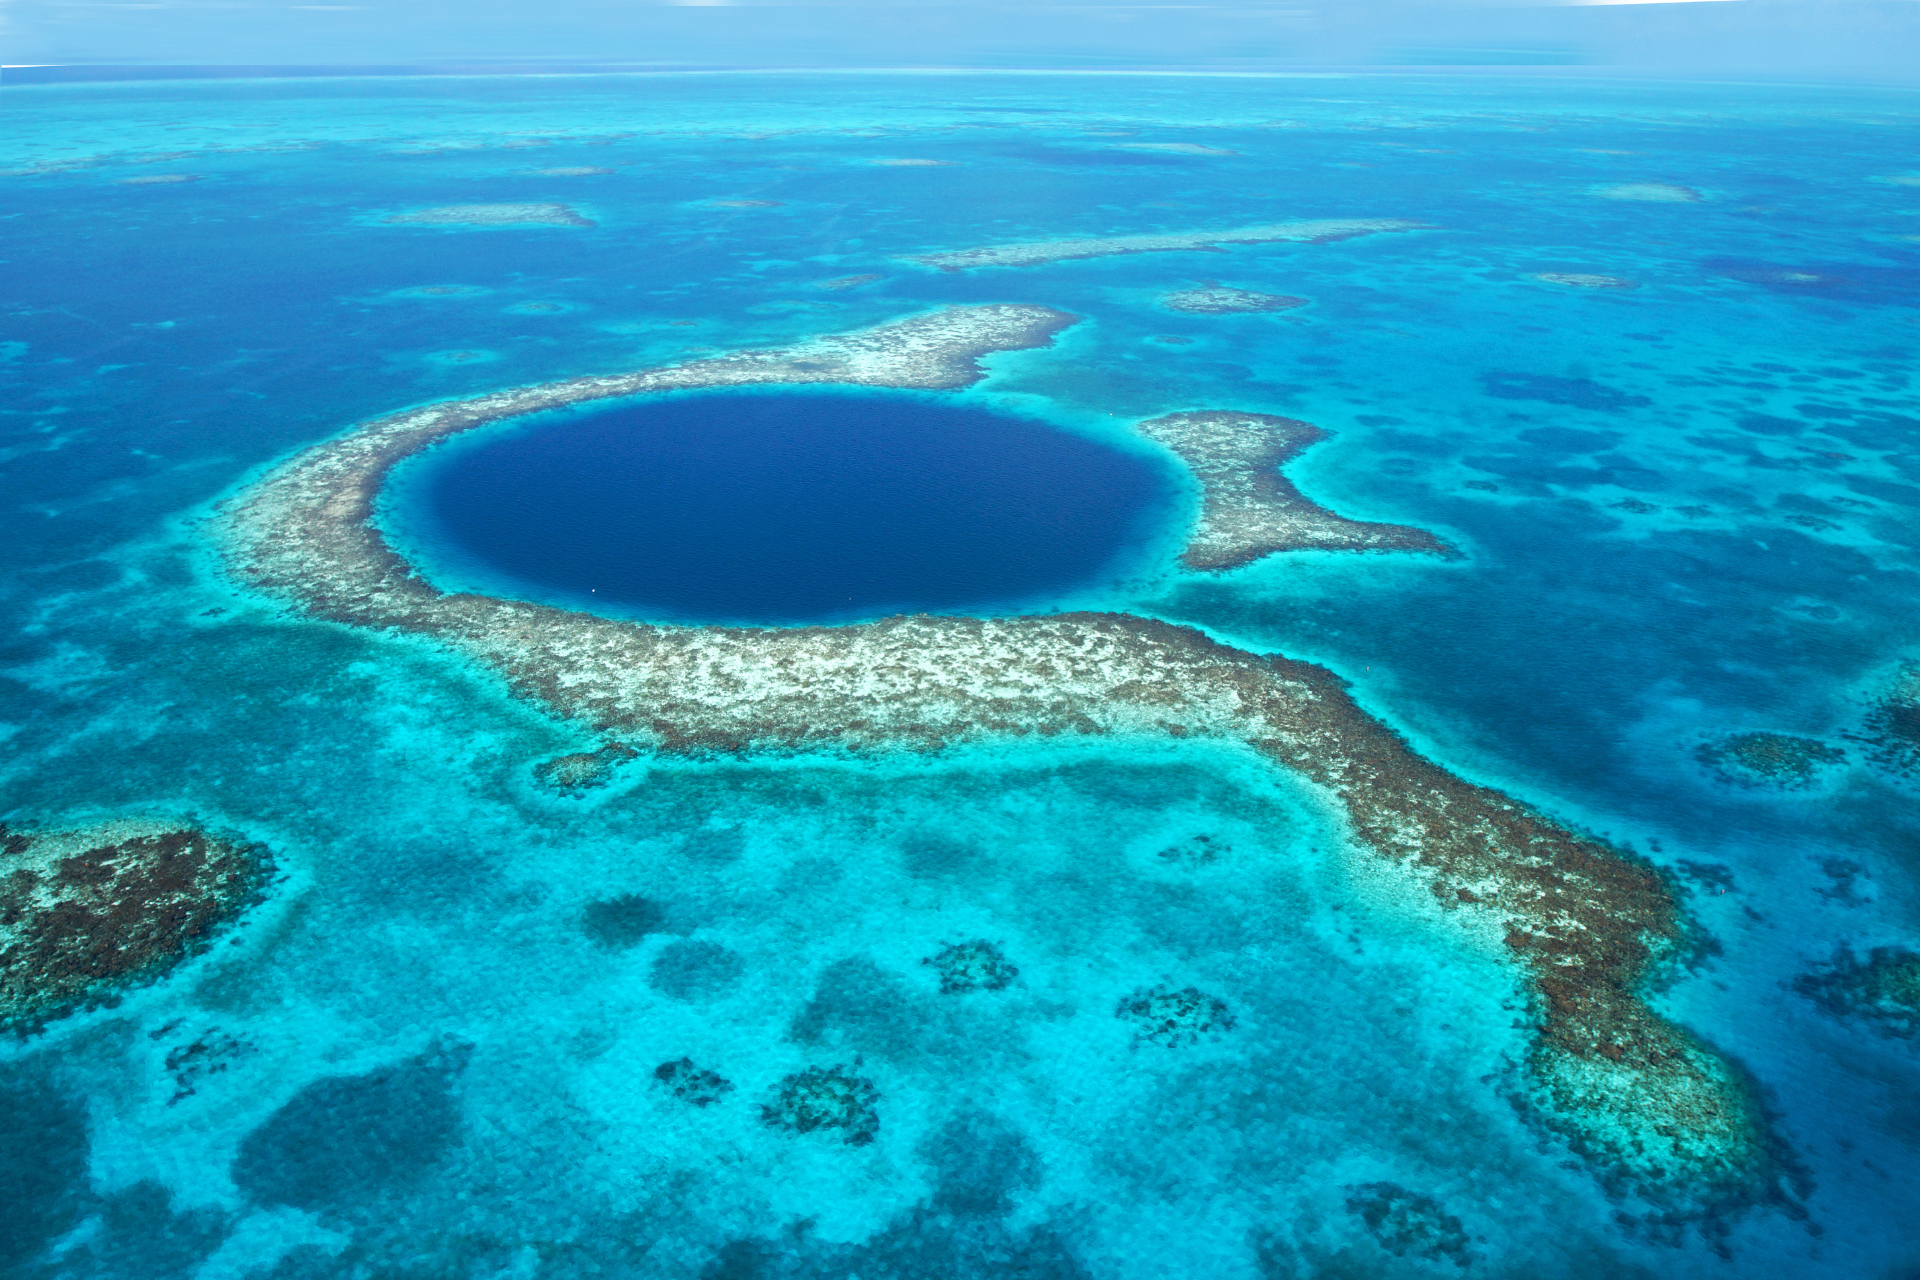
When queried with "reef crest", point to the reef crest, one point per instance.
{"points": [[492, 215], [1248, 509], [1040, 252], [1211, 298]]}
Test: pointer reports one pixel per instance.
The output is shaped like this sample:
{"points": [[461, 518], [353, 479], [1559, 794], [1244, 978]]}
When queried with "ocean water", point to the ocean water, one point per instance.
{"points": [[1688, 510]]}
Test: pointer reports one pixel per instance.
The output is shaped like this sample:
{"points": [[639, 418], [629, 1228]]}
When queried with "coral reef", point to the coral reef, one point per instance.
{"points": [[1041, 252], [1404, 1222], [1890, 735], [1248, 509], [86, 913], [1199, 851], [828, 1098], [582, 771], [492, 215], [1883, 990], [1586, 926], [1212, 298], [1648, 192], [1175, 1018], [972, 966], [848, 282], [1769, 759], [207, 1054], [1580, 280], [690, 1084]]}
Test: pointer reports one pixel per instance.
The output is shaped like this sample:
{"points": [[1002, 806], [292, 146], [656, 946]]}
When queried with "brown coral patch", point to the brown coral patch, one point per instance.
{"points": [[1248, 509], [85, 914]]}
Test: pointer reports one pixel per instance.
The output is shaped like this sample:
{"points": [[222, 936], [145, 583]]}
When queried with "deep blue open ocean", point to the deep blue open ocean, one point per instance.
{"points": [[1687, 509]]}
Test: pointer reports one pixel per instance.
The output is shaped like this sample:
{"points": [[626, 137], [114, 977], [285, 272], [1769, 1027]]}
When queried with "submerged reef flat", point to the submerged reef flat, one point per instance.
{"points": [[1648, 193], [1407, 1223], [1586, 926], [1212, 298], [87, 913], [492, 215], [848, 282], [1583, 280], [1045, 251], [1248, 509], [1890, 736], [1769, 760], [581, 771], [1172, 1018], [1882, 990]]}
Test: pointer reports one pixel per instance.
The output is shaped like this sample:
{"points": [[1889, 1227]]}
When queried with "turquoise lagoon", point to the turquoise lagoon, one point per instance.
{"points": [[1687, 510]]}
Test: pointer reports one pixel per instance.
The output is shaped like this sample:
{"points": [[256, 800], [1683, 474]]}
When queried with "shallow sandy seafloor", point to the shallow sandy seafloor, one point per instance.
{"points": [[1584, 928]]}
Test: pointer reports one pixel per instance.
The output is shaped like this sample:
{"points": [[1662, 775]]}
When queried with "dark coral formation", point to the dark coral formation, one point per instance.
{"points": [[192, 1063], [492, 215], [1038, 253], [622, 921], [1212, 298], [691, 1084], [1407, 1223], [1197, 851], [1175, 1018], [582, 771], [85, 914], [848, 282], [1769, 759], [1882, 990], [1890, 738], [1843, 882], [826, 1098], [1588, 927], [1248, 509], [972, 966]]}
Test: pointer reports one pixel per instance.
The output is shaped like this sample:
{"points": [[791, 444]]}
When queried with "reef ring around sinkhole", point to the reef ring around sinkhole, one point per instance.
{"points": [[1585, 927]]}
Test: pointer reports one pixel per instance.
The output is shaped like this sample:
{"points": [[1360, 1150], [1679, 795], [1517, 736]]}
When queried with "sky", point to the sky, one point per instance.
{"points": [[1822, 39]]}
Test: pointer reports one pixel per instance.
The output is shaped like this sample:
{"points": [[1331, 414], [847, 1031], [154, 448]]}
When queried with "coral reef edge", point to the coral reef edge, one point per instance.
{"points": [[1587, 927]]}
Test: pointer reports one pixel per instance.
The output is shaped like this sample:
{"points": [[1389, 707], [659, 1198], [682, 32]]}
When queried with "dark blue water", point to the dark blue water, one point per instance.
{"points": [[792, 507]]}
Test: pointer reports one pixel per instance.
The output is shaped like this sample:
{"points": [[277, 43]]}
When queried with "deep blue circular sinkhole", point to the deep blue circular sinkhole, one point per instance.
{"points": [[788, 507]]}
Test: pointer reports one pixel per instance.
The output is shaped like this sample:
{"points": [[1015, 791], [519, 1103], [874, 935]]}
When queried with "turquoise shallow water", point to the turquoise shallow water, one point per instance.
{"points": [[1688, 510]]}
